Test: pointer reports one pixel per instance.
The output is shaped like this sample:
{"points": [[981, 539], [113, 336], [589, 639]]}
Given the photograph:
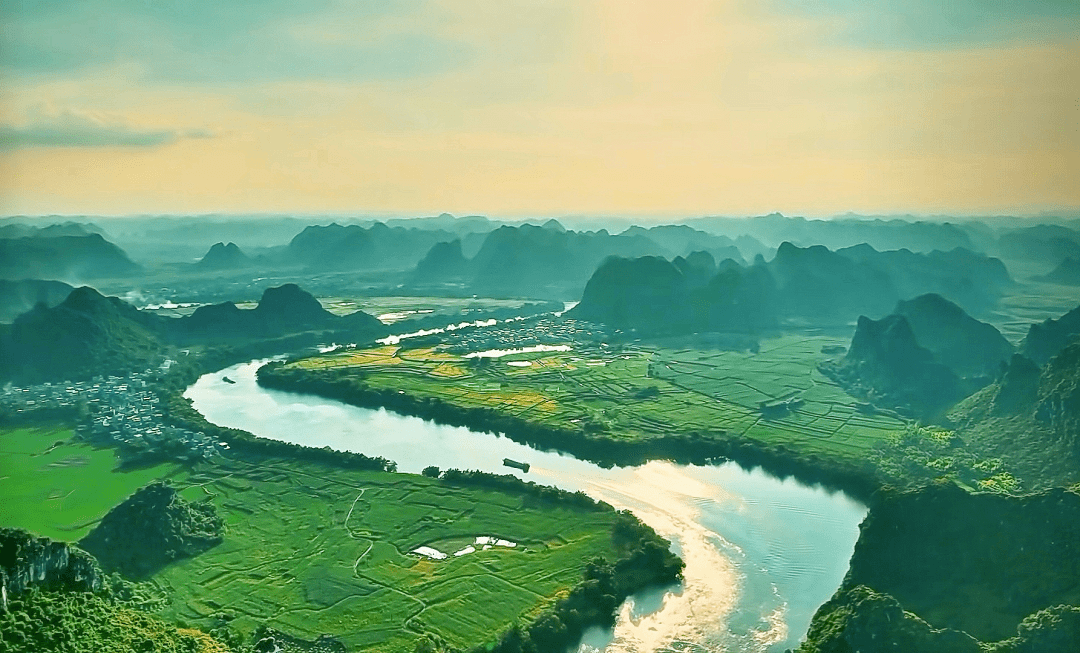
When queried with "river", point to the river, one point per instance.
{"points": [[762, 554]]}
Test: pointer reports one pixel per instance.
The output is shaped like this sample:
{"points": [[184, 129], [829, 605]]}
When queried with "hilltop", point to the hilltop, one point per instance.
{"points": [[654, 296], [85, 335], [152, 528], [89, 334], [224, 257], [282, 310], [967, 346], [810, 286], [1030, 418], [888, 367]]}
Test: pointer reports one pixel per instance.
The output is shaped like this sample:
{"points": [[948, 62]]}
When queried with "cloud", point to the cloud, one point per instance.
{"points": [[239, 41], [934, 24], [75, 130]]}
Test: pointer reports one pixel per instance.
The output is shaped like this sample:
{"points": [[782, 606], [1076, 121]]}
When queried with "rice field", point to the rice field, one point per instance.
{"points": [[640, 392], [316, 551]]}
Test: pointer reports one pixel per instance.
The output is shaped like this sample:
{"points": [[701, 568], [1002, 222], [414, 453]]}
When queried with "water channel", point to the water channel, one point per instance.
{"points": [[762, 554]]}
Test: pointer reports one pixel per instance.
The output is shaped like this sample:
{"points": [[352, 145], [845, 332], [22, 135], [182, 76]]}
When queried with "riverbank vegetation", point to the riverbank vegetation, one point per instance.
{"points": [[625, 405]]}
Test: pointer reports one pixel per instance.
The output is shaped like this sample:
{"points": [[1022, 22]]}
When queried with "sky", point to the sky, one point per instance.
{"points": [[539, 107]]}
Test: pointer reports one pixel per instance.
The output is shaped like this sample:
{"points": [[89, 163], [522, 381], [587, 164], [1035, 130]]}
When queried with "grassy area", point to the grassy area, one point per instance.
{"points": [[637, 394], [395, 309], [315, 550], [57, 487]]}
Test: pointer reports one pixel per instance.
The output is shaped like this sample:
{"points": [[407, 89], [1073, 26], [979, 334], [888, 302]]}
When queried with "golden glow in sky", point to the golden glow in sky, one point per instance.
{"points": [[539, 107]]}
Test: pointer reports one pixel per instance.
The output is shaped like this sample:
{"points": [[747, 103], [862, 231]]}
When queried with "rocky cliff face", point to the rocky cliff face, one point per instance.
{"points": [[30, 561]]}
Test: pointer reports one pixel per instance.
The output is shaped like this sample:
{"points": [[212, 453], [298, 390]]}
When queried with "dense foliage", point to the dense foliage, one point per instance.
{"points": [[645, 561], [152, 528], [79, 622]]}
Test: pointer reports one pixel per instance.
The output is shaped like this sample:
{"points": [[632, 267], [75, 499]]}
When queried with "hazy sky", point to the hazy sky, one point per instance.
{"points": [[539, 107]]}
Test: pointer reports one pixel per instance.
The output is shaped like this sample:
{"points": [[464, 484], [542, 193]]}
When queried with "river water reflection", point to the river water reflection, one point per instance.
{"points": [[762, 554]]}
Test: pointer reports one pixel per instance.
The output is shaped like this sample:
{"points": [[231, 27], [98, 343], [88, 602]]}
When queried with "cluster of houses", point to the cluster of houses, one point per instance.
{"points": [[508, 334], [112, 410]]}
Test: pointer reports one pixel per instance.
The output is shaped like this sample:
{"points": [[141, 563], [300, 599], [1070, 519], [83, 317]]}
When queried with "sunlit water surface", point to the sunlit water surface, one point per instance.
{"points": [[762, 554]]}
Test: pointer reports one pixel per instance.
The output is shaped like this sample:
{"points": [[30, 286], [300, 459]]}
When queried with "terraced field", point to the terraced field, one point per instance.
{"points": [[636, 393], [322, 551]]}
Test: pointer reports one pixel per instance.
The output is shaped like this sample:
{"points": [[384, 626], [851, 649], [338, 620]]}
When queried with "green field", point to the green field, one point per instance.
{"points": [[635, 393], [57, 487], [314, 550], [1031, 302]]}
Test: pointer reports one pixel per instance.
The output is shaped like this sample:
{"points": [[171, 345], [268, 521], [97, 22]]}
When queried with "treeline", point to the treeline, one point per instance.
{"points": [[511, 484], [644, 561], [695, 447]]}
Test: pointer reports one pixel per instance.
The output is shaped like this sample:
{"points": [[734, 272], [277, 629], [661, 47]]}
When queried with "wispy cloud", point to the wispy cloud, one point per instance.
{"points": [[933, 24], [224, 42], [70, 129]]}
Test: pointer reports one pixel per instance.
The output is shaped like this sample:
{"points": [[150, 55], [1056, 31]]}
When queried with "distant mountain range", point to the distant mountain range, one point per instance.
{"points": [[812, 285]]}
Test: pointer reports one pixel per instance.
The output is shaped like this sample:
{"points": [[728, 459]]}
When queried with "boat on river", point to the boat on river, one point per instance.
{"points": [[515, 464]]}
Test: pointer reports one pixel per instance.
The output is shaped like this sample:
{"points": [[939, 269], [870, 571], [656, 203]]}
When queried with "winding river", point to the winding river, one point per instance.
{"points": [[762, 554]]}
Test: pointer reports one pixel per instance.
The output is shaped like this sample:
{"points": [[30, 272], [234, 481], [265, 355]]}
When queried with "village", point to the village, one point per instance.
{"points": [[112, 411]]}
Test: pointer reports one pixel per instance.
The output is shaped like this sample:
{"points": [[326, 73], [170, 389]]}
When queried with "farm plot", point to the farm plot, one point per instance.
{"points": [[318, 551], [57, 487], [775, 396]]}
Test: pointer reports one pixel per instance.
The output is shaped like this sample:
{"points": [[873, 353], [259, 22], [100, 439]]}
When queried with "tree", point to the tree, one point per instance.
{"points": [[431, 471]]}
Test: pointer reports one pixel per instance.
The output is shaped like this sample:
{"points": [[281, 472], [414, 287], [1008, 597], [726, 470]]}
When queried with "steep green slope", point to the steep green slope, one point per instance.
{"points": [[991, 566]]}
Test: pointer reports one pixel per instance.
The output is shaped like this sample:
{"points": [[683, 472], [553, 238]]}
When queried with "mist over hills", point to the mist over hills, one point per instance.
{"points": [[844, 231], [18, 297], [86, 335], [549, 261], [352, 247], [64, 258], [1067, 273]]}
